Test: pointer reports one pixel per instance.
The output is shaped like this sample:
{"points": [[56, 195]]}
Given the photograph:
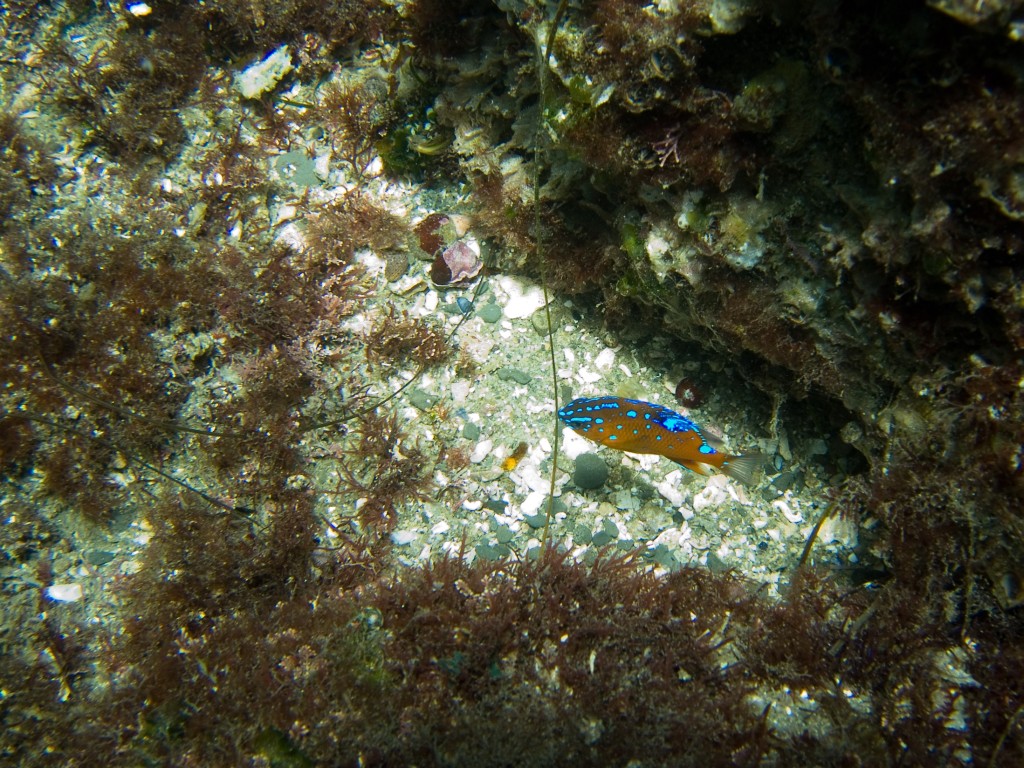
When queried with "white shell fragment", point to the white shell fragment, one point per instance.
{"points": [[788, 512], [64, 593]]}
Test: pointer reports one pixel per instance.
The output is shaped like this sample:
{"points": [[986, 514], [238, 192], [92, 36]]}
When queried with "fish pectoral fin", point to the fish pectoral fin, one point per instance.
{"points": [[743, 468], [715, 442], [695, 466]]}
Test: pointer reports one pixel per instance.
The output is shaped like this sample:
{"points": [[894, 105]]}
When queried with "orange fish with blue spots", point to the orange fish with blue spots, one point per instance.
{"points": [[639, 427]]}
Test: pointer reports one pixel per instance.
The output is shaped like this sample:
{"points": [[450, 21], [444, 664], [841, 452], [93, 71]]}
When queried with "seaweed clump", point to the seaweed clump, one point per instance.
{"points": [[400, 339], [585, 663]]}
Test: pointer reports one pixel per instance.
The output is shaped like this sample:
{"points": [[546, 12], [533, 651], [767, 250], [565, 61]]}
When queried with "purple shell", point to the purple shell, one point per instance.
{"points": [[456, 264]]}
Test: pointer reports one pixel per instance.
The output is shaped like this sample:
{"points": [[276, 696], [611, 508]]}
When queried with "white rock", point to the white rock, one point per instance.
{"points": [[534, 480], [459, 391], [533, 502], [713, 494], [481, 451], [573, 445], [65, 593], [523, 300], [669, 489], [401, 538], [605, 359]]}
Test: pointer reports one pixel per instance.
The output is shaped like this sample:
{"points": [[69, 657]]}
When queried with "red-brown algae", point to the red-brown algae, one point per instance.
{"points": [[430, 232]]}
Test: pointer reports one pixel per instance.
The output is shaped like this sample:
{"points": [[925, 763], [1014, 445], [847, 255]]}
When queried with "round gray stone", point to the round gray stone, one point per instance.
{"points": [[590, 471], [491, 313]]}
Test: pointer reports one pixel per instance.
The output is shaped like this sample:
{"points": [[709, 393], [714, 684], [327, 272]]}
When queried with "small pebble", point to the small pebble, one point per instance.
{"points": [[98, 556], [536, 521], [481, 451], [783, 481], [470, 431], [514, 374], [590, 472], [421, 400], [489, 552], [664, 557], [401, 538], [539, 321], [490, 313], [715, 563], [851, 433]]}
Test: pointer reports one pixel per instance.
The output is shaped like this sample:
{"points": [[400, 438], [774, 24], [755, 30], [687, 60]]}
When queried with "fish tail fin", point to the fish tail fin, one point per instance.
{"points": [[743, 468]]}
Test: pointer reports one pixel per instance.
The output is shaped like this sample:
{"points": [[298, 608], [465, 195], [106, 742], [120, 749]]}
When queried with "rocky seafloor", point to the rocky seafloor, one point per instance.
{"points": [[291, 293]]}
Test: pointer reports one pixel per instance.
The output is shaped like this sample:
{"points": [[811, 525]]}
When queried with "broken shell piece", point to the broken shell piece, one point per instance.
{"points": [[457, 263], [460, 224]]}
